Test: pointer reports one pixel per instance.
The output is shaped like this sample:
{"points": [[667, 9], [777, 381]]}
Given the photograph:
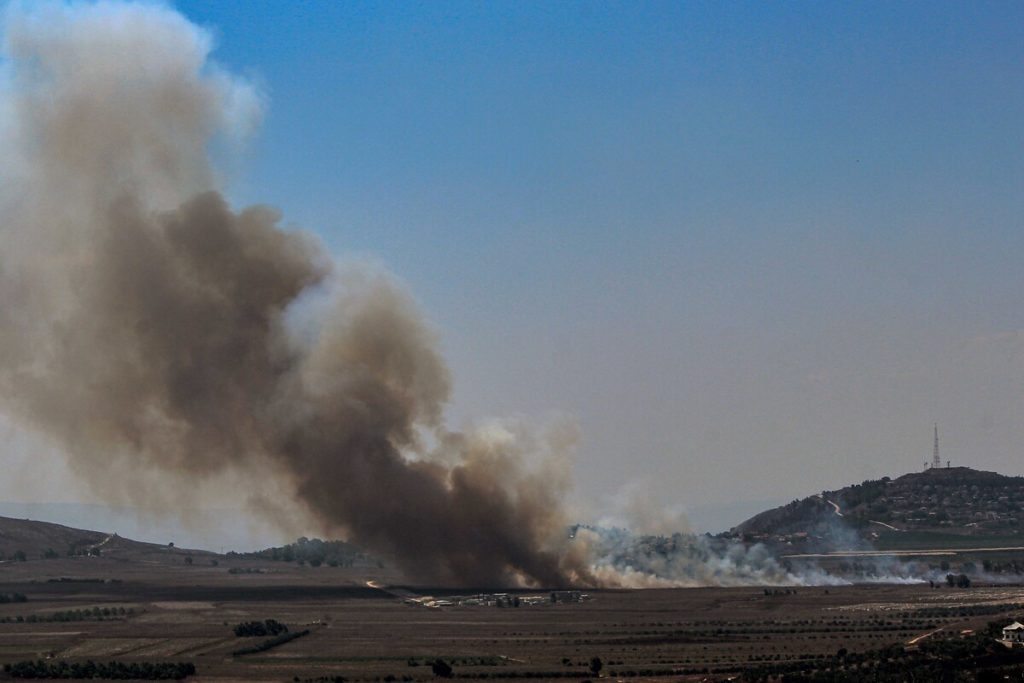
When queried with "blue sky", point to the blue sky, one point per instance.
{"points": [[775, 240]]}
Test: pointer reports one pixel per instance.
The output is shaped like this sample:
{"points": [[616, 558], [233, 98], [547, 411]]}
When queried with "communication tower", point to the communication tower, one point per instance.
{"points": [[936, 463]]}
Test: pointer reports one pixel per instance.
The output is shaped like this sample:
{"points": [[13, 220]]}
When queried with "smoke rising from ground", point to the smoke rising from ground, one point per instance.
{"points": [[161, 337]]}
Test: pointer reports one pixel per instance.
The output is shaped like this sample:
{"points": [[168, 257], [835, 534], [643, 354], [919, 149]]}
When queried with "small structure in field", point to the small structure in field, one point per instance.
{"points": [[568, 596], [1013, 634]]}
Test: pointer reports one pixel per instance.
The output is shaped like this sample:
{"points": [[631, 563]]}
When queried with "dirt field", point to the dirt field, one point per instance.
{"points": [[167, 612]]}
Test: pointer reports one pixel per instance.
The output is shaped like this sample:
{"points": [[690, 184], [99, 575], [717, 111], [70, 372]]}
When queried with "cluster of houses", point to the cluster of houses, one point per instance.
{"points": [[498, 600], [956, 502]]}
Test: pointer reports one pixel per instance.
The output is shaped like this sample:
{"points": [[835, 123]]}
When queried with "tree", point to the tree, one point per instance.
{"points": [[596, 665], [442, 669], [268, 627], [188, 559], [19, 556]]}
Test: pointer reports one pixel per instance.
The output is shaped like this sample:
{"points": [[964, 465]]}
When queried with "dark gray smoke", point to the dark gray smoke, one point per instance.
{"points": [[162, 338]]}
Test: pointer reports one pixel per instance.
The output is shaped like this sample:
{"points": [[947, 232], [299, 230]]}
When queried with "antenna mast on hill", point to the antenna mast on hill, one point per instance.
{"points": [[936, 463]]}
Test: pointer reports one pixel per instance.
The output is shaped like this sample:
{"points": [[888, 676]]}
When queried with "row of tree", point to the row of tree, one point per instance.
{"points": [[50, 554], [975, 657], [273, 642], [443, 669], [268, 627], [145, 671], [313, 551], [6, 598], [94, 614]]}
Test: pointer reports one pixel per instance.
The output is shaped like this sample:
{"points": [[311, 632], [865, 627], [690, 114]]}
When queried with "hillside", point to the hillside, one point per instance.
{"points": [[957, 505], [24, 539], [34, 539], [44, 549]]}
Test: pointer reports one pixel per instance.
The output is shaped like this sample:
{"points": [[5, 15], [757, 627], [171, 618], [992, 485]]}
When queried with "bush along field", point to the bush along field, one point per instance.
{"points": [[141, 671]]}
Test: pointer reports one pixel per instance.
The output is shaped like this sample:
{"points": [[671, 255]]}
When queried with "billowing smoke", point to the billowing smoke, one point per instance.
{"points": [[161, 337], [620, 557]]}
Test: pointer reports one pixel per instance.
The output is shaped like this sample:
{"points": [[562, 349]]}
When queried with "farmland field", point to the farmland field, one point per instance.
{"points": [[360, 633]]}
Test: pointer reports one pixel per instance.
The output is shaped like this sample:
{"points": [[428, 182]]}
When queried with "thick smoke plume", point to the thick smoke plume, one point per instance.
{"points": [[161, 337]]}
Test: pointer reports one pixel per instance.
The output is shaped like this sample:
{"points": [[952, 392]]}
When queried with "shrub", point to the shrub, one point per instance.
{"points": [[273, 642], [442, 669], [269, 627]]}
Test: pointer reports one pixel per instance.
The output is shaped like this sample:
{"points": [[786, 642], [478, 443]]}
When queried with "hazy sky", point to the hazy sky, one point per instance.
{"points": [[755, 249]]}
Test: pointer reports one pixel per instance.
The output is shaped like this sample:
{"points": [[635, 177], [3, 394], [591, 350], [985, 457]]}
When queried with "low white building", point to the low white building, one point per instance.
{"points": [[1014, 633]]}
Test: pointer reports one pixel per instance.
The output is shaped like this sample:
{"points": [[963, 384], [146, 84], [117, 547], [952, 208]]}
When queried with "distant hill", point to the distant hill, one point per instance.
{"points": [[956, 505], [33, 539], [209, 529], [25, 539]]}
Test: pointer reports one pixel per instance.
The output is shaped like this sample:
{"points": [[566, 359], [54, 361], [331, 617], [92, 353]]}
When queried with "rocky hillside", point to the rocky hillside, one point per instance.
{"points": [[939, 503]]}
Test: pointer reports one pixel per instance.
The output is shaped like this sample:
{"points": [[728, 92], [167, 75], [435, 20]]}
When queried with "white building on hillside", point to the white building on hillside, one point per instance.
{"points": [[1014, 633]]}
